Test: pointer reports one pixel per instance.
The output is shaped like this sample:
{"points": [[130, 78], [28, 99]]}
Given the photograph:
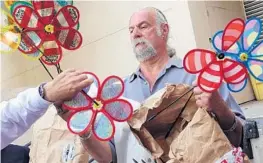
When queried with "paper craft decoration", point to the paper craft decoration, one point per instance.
{"points": [[45, 27], [99, 117], [230, 61], [247, 51]]}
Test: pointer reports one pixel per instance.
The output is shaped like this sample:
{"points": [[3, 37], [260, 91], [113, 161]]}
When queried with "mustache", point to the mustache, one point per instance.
{"points": [[138, 40]]}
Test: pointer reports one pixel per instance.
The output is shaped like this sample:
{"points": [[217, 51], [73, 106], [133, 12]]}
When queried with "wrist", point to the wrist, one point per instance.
{"points": [[47, 92]]}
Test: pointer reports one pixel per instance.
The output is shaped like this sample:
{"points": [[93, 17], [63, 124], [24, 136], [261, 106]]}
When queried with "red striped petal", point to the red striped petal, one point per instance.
{"points": [[197, 59], [52, 53], [232, 33], [45, 10], [210, 79], [234, 72]]}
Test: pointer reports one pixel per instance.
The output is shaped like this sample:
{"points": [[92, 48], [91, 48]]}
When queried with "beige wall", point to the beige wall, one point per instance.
{"points": [[106, 46]]}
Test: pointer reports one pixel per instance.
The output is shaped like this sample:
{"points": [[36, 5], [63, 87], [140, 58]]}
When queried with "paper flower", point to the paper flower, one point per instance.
{"points": [[246, 52], [47, 28], [213, 67], [99, 116]]}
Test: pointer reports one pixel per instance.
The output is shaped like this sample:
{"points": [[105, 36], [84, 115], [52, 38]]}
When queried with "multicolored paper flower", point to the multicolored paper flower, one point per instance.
{"points": [[216, 67], [247, 51], [100, 115], [44, 27]]}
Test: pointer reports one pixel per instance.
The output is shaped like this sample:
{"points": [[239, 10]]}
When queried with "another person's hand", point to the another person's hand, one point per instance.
{"points": [[66, 85]]}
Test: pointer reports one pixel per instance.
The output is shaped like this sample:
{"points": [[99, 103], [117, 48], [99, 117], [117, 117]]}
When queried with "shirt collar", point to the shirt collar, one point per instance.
{"points": [[173, 62]]}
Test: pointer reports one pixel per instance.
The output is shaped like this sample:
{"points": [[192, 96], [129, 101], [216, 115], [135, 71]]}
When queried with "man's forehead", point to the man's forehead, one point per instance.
{"points": [[142, 16]]}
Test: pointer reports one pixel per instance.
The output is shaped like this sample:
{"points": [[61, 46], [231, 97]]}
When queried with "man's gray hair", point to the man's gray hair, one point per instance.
{"points": [[160, 19]]}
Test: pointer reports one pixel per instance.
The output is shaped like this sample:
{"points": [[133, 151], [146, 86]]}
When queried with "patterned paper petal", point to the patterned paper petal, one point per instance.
{"points": [[79, 102], [251, 33], [94, 88], [6, 20], [232, 33], [119, 110], [80, 121], [27, 18], [234, 72], [67, 17], [34, 56], [9, 41], [217, 44], [19, 3], [112, 88], [103, 128], [31, 40], [210, 78], [258, 50], [237, 87], [45, 9], [255, 67], [53, 53], [197, 59], [70, 39]]}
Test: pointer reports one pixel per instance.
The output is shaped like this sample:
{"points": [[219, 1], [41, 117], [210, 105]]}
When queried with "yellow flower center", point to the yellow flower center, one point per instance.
{"points": [[97, 106], [49, 28], [243, 56]]}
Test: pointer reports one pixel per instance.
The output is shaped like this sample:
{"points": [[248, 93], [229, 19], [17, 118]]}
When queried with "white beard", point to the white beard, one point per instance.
{"points": [[145, 53]]}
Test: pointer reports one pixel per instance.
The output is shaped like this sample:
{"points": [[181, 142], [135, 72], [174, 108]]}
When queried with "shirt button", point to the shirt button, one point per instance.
{"points": [[145, 83], [149, 160]]}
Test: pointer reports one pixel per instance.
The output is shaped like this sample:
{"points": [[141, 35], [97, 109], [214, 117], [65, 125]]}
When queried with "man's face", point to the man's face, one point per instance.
{"points": [[143, 34]]}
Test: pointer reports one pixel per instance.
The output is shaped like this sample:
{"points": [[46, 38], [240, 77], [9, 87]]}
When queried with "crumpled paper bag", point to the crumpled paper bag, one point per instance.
{"points": [[151, 134], [195, 136], [52, 142]]}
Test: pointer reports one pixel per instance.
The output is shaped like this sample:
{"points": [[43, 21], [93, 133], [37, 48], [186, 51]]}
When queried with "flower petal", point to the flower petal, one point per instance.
{"points": [[197, 59], [237, 87], [234, 72], [34, 56], [27, 18], [232, 33], [251, 33], [9, 41], [67, 17], [70, 39], [30, 41], [119, 110], [211, 77], [52, 53], [45, 9], [255, 67], [79, 102], [103, 128], [112, 88], [258, 50], [94, 88], [217, 44], [15, 4], [80, 121]]}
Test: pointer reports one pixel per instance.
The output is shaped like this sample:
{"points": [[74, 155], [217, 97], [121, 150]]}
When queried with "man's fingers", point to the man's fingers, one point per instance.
{"points": [[194, 83], [197, 90], [85, 83]]}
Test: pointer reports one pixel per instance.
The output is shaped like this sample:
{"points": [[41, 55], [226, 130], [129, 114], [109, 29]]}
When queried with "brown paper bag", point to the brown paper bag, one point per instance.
{"points": [[52, 142], [195, 136]]}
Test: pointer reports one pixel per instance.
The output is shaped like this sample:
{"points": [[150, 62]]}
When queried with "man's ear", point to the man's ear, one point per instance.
{"points": [[165, 30]]}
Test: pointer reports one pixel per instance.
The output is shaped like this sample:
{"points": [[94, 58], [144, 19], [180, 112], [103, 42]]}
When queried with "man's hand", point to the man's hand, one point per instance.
{"points": [[213, 102], [66, 85]]}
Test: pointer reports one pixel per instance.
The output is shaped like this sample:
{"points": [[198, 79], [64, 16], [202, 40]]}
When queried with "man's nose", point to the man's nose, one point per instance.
{"points": [[136, 33]]}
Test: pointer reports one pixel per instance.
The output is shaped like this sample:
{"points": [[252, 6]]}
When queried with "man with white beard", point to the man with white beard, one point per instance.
{"points": [[149, 32]]}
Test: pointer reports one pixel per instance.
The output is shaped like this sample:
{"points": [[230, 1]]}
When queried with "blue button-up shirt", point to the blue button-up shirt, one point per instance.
{"points": [[138, 89]]}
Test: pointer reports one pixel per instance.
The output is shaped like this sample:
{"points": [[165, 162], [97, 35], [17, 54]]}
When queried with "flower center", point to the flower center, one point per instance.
{"points": [[220, 56], [98, 106], [243, 56], [49, 28]]}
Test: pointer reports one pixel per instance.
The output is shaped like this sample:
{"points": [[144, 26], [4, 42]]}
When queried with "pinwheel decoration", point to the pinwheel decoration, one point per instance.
{"points": [[231, 62], [99, 110]]}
